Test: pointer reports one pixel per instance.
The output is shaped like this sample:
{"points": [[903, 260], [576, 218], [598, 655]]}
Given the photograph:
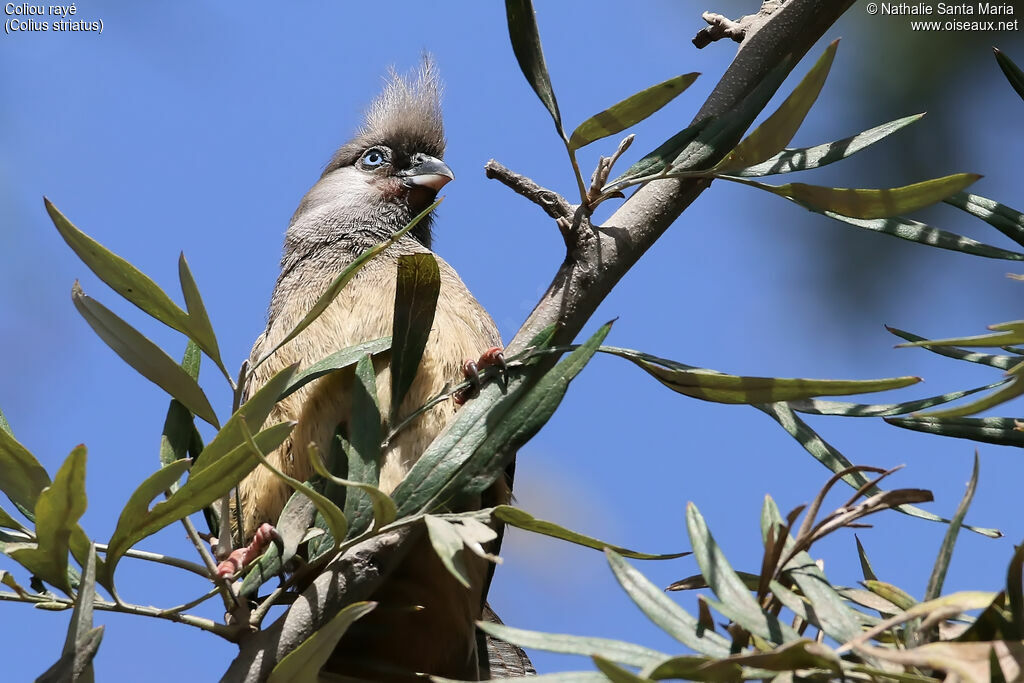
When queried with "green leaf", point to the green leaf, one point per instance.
{"points": [[502, 439], [615, 673], [1005, 334], [76, 666], [1003, 362], [57, 511], [303, 664], [735, 599], [337, 524], [629, 111], [80, 626], [805, 158], [416, 288], [448, 546], [865, 564], [23, 477], [831, 458], [253, 413], [521, 519], [179, 435], [915, 231], [292, 525], [1008, 221], [815, 406], [143, 355], [202, 488], [130, 282], [779, 128], [339, 360], [938, 576], [1009, 391], [663, 611], [1015, 593], [339, 282], [801, 654], [197, 314], [383, 507], [1012, 72], [614, 650], [998, 430], [364, 456], [860, 203], [522, 31], [496, 419], [893, 594], [710, 385]]}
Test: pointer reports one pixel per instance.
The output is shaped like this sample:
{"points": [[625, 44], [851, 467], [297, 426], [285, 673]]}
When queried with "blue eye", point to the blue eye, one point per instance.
{"points": [[373, 157]]}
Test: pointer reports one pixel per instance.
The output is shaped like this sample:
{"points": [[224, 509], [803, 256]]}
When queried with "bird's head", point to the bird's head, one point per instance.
{"points": [[389, 172]]}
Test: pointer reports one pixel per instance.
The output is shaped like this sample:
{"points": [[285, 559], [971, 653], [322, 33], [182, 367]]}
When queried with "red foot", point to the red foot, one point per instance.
{"points": [[263, 537], [492, 357]]}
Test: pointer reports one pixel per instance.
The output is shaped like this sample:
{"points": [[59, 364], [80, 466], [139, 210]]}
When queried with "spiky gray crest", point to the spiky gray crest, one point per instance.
{"points": [[406, 117]]}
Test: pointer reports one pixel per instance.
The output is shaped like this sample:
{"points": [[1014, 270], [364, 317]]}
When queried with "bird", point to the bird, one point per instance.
{"points": [[374, 184]]}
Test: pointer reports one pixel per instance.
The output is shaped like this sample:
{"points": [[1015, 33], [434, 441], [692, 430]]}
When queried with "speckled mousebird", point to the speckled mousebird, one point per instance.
{"points": [[374, 184]]}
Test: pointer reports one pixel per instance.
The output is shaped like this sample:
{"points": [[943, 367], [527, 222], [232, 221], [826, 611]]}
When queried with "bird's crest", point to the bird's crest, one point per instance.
{"points": [[406, 114]]}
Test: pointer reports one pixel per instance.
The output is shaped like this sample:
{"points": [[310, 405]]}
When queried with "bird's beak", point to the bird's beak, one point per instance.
{"points": [[427, 172]]}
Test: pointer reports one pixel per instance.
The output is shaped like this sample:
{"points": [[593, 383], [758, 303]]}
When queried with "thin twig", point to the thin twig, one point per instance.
{"points": [[161, 559]]}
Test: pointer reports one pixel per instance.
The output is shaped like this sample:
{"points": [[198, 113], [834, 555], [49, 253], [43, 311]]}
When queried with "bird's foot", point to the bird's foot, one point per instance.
{"points": [[492, 357], [240, 557]]}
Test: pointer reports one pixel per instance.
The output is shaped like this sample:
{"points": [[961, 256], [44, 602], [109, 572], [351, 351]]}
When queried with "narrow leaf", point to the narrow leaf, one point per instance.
{"points": [[815, 406], [74, 666], [80, 625], [201, 489], [804, 158], [143, 355], [938, 576], [736, 601], [179, 435], [1003, 362], [1008, 221], [524, 520], [861, 203], [343, 278], [522, 30], [615, 673], [448, 546], [779, 128], [865, 564], [614, 650], [416, 288], [58, 510], [629, 111], [1012, 72], [339, 360], [130, 282], [23, 477], [197, 315], [303, 664], [663, 611], [383, 507]]}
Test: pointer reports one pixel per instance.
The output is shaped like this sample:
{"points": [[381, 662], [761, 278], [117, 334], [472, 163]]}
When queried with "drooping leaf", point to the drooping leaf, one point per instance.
{"points": [[614, 650], [416, 289], [921, 233], [303, 664], [814, 406], [339, 360], [938, 575], [522, 30], [522, 519], [364, 451], [143, 355], [629, 111], [710, 385], [76, 666], [864, 203], [381, 504], [80, 626], [805, 158], [1012, 72], [130, 282], [58, 509], [23, 477], [663, 611], [343, 278], [448, 546], [1008, 221], [201, 489], [197, 315], [734, 598], [779, 128], [829, 456]]}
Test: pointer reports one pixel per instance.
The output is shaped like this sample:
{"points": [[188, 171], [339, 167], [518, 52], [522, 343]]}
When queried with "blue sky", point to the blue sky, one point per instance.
{"points": [[195, 127]]}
